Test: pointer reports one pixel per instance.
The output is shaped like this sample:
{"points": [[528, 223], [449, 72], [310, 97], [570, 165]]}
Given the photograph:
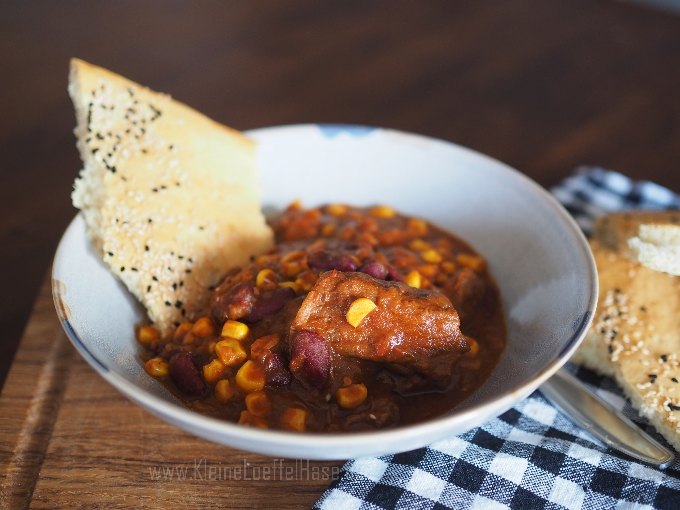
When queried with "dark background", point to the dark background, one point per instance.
{"points": [[543, 85]]}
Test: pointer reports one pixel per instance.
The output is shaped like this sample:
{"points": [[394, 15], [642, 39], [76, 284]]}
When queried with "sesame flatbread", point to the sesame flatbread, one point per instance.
{"points": [[170, 198], [635, 336]]}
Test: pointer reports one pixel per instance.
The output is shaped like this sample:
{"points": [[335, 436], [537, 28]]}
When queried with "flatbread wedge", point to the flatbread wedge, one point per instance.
{"points": [[170, 198], [635, 336]]}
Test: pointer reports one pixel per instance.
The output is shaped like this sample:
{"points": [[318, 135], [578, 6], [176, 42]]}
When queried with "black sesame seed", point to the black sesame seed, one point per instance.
{"points": [[150, 220], [183, 312], [180, 257], [191, 261], [653, 376], [643, 309], [122, 268], [188, 271], [169, 268], [610, 349], [171, 147], [143, 151], [602, 331], [674, 379], [133, 269], [181, 284], [168, 303], [147, 247], [618, 291], [155, 190], [110, 254], [174, 286], [123, 177], [148, 289], [664, 358], [94, 151], [674, 408], [154, 278], [201, 228], [252, 259], [113, 169]]}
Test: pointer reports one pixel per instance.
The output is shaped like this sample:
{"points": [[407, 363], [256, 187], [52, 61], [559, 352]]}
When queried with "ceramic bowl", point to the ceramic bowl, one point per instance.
{"points": [[535, 251]]}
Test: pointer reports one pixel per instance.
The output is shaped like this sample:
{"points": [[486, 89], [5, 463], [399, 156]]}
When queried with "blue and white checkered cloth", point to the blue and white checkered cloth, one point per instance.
{"points": [[532, 456]]}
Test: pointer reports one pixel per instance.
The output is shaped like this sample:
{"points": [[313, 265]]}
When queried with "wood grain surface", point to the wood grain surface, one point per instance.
{"points": [[543, 85], [69, 440]]}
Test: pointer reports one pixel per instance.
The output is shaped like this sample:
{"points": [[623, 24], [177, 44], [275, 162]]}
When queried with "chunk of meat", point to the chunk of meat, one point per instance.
{"points": [[465, 291], [414, 327]]}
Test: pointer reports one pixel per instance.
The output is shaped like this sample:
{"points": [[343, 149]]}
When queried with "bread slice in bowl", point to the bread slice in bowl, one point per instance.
{"points": [[170, 198]]}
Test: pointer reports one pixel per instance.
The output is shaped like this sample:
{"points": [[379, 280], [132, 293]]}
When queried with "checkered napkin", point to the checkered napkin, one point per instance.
{"points": [[532, 456]]}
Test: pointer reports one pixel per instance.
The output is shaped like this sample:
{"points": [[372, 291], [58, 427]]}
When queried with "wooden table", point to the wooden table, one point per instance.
{"points": [[541, 85]]}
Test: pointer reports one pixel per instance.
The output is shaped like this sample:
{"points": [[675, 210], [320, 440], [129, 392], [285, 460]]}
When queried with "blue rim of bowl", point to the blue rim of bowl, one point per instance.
{"points": [[208, 427]]}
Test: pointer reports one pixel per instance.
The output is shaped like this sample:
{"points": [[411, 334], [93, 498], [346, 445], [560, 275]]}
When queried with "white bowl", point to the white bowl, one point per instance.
{"points": [[536, 253]]}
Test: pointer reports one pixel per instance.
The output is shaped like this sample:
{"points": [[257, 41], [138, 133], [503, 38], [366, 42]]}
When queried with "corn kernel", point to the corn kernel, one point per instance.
{"points": [[351, 396], [474, 346], [214, 371], [156, 367], [189, 338], [250, 377], [230, 351], [432, 256], [252, 421], [336, 209], [258, 403], [418, 227], [472, 261], [449, 267], [235, 329], [306, 280], [382, 211], [147, 334], [293, 285], [223, 391], [182, 330], [295, 205], [419, 245], [358, 310], [328, 229], [263, 260], [292, 256], [294, 419], [204, 327], [414, 279], [429, 270], [265, 277]]}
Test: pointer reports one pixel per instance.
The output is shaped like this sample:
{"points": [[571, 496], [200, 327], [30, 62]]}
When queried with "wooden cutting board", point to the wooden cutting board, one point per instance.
{"points": [[68, 439]]}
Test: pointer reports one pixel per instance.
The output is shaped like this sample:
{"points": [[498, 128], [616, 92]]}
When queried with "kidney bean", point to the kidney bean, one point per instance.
{"points": [[269, 305], [393, 274], [374, 269], [186, 376], [325, 262], [310, 360], [276, 373]]}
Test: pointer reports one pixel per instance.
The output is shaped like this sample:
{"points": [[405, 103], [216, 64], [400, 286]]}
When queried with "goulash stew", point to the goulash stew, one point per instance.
{"points": [[359, 319]]}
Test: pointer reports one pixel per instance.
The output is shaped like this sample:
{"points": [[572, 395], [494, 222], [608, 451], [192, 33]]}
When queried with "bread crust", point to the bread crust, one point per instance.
{"points": [[635, 337], [171, 199]]}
